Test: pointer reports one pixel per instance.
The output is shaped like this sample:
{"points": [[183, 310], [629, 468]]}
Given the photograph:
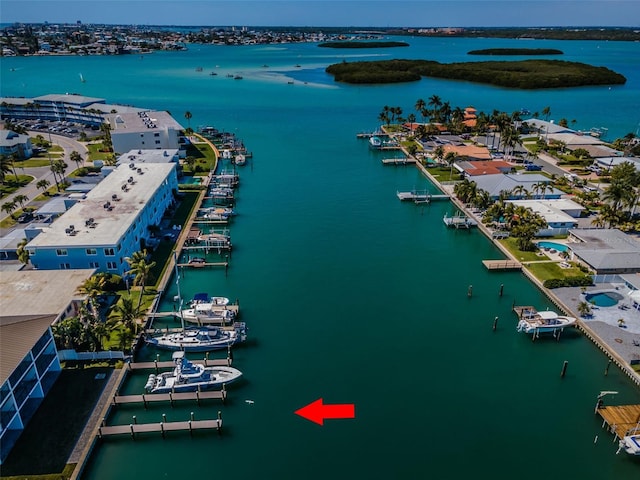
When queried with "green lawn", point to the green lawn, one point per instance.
{"points": [[545, 271], [511, 244], [96, 154], [10, 184]]}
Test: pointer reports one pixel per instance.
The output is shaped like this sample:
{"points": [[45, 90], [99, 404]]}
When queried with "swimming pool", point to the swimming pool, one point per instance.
{"points": [[189, 180], [552, 245], [603, 299]]}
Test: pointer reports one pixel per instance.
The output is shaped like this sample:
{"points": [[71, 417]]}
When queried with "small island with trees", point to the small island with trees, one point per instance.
{"points": [[524, 74], [516, 51], [357, 44]]}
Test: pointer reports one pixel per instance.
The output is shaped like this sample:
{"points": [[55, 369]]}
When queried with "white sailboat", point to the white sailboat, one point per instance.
{"points": [[82, 78]]}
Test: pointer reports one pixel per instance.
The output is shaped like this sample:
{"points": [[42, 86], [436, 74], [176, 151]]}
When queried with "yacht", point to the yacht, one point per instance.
{"points": [[532, 321], [200, 339]]}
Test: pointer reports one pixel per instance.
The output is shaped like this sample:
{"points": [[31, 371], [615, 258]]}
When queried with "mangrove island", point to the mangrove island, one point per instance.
{"points": [[516, 51]]}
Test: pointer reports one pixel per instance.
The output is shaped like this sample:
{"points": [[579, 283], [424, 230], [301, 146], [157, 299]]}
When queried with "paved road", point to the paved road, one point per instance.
{"points": [[68, 145]]}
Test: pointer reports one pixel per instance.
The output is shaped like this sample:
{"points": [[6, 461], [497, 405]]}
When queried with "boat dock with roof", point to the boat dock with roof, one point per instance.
{"points": [[459, 221]]}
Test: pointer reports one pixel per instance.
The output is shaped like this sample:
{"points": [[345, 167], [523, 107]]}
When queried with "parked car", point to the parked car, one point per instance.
{"points": [[530, 167], [25, 217]]}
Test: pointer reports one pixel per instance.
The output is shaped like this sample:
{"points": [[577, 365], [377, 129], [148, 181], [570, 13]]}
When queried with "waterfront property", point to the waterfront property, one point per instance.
{"points": [[554, 213], [144, 130], [29, 363], [12, 143], [498, 183], [111, 224], [54, 107], [149, 156], [605, 251]]}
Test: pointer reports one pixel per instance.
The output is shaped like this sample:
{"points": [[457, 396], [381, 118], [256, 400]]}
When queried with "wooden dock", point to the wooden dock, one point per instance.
{"points": [[620, 419], [162, 427], [170, 397], [524, 310], [420, 196], [398, 161], [502, 265], [205, 264], [155, 365], [459, 221]]}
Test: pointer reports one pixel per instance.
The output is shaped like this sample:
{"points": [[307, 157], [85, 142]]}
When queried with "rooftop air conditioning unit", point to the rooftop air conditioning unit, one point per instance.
{"points": [[140, 171], [114, 197]]}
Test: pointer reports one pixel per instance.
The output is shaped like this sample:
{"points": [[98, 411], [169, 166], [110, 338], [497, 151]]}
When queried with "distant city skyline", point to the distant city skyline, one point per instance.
{"points": [[329, 13]]}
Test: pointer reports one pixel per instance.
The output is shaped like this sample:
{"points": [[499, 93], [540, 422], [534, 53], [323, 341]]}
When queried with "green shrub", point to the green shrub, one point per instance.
{"points": [[575, 281]]}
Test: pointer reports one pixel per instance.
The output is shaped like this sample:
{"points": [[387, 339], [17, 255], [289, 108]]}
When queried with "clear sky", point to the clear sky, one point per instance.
{"points": [[365, 13]]}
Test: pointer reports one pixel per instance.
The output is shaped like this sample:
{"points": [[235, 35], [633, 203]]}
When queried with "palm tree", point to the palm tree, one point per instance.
{"points": [[411, 118], [43, 184], [519, 190], [13, 158], [5, 167], [93, 287], [436, 102], [126, 313], [8, 207], [21, 199], [438, 153], [141, 270], [420, 106], [546, 111], [58, 168], [188, 116], [22, 252], [77, 158], [450, 158], [584, 309]]}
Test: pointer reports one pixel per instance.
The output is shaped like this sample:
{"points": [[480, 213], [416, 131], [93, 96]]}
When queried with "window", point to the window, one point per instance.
{"points": [[61, 252], [156, 134], [91, 251], [109, 252], [94, 265], [112, 265], [65, 266], [157, 142]]}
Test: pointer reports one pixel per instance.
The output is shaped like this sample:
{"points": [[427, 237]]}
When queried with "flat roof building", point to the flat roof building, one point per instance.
{"points": [[110, 224], [146, 130]]}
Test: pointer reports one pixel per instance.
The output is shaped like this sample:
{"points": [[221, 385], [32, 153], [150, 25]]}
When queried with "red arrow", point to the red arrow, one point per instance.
{"points": [[317, 411]]}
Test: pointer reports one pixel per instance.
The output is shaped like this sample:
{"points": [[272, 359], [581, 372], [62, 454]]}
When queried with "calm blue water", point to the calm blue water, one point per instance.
{"points": [[353, 296], [556, 246]]}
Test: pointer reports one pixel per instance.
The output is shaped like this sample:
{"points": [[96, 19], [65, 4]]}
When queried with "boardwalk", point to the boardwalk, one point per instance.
{"points": [[398, 161]]}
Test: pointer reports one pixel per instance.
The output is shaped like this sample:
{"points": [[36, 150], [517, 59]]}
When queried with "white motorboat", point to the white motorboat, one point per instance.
{"points": [[630, 444], [532, 321], [205, 298], [240, 159], [200, 339], [375, 142], [208, 313], [216, 213], [189, 377]]}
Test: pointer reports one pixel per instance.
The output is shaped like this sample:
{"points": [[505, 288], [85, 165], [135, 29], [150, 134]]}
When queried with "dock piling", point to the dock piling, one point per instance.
{"points": [[606, 370], [501, 288], [564, 368], [219, 423], [135, 420], [495, 323], [470, 291]]}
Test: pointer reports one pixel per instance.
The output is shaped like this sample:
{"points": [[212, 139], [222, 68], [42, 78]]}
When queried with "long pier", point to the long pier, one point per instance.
{"points": [[420, 196], [399, 161], [502, 264], [162, 427], [170, 397]]}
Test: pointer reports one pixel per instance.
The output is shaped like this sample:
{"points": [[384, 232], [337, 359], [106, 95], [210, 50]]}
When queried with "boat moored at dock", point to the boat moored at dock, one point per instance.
{"points": [[534, 322], [190, 377], [200, 339], [208, 313]]}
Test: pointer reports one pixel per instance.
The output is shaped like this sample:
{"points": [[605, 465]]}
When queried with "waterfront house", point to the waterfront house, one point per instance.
{"points": [[605, 251], [560, 214], [498, 184], [145, 130], [111, 223], [29, 363], [12, 143], [491, 167]]}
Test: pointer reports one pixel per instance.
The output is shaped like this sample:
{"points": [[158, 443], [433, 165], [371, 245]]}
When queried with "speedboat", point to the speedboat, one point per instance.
{"points": [[240, 159], [630, 444], [208, 313], [198, 262], [205, 298], [200, 339], [216, 213], [375, 142], [189, 377], [547, 321]]}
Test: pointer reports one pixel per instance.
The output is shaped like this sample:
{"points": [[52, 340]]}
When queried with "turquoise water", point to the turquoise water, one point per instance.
{"points": [[603, 299], [556, 246], [353, 296]]}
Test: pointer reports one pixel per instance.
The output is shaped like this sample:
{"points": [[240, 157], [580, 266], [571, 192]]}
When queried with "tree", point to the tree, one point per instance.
{"points": [[21, 199], [43, 185], [8, 207], [450, 158], [584, 309], [188, 116], [5, 167], [58, 168], [22, 252], [77, 158], [420, 106], [126, 313], [546, 112], [93, 287], [141, 270]]}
